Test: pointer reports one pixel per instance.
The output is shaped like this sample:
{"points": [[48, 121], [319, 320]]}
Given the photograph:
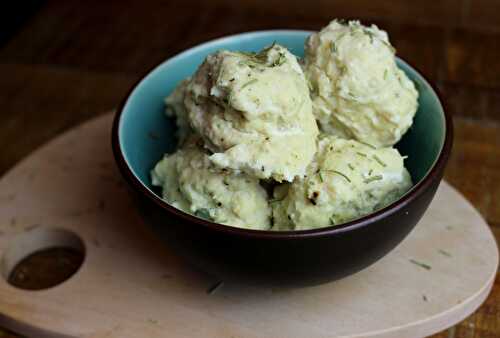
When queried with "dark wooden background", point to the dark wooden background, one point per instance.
{"points": [[63, 62]]}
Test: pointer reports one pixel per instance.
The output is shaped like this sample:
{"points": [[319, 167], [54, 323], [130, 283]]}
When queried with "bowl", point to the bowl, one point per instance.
{"points": [[142, 134]]}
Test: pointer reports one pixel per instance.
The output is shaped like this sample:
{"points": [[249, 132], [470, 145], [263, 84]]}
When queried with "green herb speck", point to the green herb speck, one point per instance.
{"points": [[369, 33], [361, 154], [154, 136], [214, 287], [333, 47], [281, 60], [379, 161], [274, 200], [341, 174], [422, 265], [367, 144], [249, 83], [444, 253], [373, 178]]}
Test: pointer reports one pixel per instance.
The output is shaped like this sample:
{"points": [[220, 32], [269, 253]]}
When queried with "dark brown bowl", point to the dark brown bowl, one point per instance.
{"points": [[270, 257]]}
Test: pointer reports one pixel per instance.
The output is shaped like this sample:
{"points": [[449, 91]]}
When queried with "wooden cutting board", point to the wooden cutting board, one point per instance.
{"points": [[68, 193]]}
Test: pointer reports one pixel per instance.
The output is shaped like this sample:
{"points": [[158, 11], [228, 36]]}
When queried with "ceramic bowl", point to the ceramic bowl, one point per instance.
{"points": [[142, 134]]}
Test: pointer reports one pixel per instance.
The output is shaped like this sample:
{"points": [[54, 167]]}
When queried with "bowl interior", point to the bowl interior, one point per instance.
{"points": [[145, 134]]}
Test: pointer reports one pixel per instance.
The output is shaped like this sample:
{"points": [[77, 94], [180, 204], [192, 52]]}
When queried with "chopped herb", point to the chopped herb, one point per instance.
{"points": [[321, 177], [393, 50], [350, 166], [444, 253], [369, 33], [263, 52], [263, 168], [280, 60], [367, 144], [332, 220], [249, 83], [153, 135], [385, 74], [249, 54], [379, 161], [341, 174], [424, 297], [215, 287], [231, 80], [361, 154], [422, 265], [373, 178], [203, 213], [370, 172], [252, 61], [333, 47], [274, 200]]}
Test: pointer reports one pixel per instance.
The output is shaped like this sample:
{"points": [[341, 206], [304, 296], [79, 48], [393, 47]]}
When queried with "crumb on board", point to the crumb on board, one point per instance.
{"points": [[420, 264]]}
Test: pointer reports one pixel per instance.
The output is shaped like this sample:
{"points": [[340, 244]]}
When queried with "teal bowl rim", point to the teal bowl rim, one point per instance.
{"points": [[434, 173]]}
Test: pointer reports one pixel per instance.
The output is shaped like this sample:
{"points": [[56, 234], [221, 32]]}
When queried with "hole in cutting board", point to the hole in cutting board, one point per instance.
{"points": [[42, 258]]}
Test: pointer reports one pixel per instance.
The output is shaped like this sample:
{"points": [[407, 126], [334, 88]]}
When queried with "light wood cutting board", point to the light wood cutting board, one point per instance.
{"points": [[131, 284]]}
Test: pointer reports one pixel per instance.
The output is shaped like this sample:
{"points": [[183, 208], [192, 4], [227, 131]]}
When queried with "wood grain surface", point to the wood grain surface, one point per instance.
{"points": [[435, 278], [67, 61]]}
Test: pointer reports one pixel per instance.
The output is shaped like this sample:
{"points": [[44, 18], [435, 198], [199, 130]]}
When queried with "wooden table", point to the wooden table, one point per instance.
{"points": [[63, 62]]}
